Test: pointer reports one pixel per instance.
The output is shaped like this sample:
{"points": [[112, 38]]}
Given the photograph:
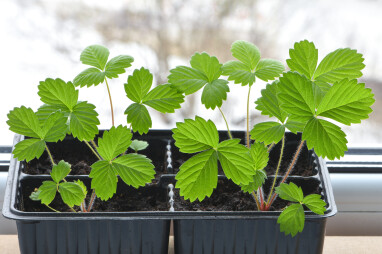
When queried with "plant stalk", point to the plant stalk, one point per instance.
{"points": [[91, 148], [254, 194], [50, 155], [92, 199], [226, 123], [111, 102], [248, 141], [71, 208], [270, 147], [277, 169], [83, 207], [51, 208]]}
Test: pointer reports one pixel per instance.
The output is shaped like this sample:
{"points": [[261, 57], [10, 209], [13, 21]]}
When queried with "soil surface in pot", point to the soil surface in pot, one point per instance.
{"points": [[149, 198], [229, 197]]}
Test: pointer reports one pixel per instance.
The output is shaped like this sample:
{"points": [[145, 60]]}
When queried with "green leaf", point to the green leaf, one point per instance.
{"points": [[198, 176], [290, 192], [84, 189], [164, 98], [258, 181], [303, 58], [246, 52], [95, 55], [260, 155], [327, 139], [104, 179], [236, 162], [135, 169], [315, 203], [57, 92], [114, 142], [269, 104], [46, 110], [294, 126], [292, 220], [214, 93], [239, 73], [47, 191], [71, 193], [268, 132], [296, 95], [347, 102], [319, 91], [269, 69], [29, 149], [24, 122], [194, 136], [139, 117], [89, 77], [84, 121], [138, 145], [340, 64], [117, 65], [186, 79], [34, 195], [60, 171], [208, 65], [138, 84], [55, 128]]}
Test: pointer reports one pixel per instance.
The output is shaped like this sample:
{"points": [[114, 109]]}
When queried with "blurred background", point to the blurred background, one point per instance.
{"points": [[44, 38]]}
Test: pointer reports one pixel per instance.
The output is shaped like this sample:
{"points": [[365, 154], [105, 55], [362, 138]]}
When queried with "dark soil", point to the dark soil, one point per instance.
{"points": [[149, 198], [229, 197]]}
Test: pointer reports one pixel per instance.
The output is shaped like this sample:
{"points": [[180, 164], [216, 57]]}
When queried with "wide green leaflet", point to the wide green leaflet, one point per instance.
{"points": [[347, 102], [294, 126], [327, 138], [24, 122], [208, 65], [214, 93], [268, 132], [246, 53], [198, 176], [89, 77], [260, 155], [238, 72], [315, 203], [290, 192], [54, 128], [139, 117], [114, 142], [29, 149], [269, 69], [303, 58], [71, 193], [292, 219], [138, 145], [269, 104], [195, 135], [47, 192], [163, 98], [186, 79], [104, 179], [58, 92], [138, 84], [117, 65], [60, 171], [258, 180], [95, 55], [84, 121]]}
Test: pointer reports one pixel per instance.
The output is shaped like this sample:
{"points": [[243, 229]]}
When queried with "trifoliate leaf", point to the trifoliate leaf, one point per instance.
{"points": [[258, 181], [198, 176], [239, 73], [164, 98], [208, 65], [139, 117], [55, 128], [135, 169], [84, 121], [34, 195], [269, 104], [292, 219], [47, 191], [84, 189], [24, 122], [296, 95], [347, 102], [327, 139], [95, 55], [46, 110], [114, 142], [117, 65], [104, 179], [138, 84], [71, 193], [138, 145], [194, 136], [269, 69], [268, 132], [303, 58], [214, 93], [186, 79], [340, 64], [246, 52], [294, 126], [60, 171], [315, 203], [29, 149], [260, 155], [89, 77], [58, 92], [290, 192], [236, 162]]}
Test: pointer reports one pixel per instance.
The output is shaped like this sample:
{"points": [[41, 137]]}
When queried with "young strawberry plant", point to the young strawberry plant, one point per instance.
{"points": [[306, 99]]}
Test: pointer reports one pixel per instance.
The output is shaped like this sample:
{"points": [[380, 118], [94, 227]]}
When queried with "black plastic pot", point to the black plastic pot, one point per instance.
{"points": [[253, 231], [95, 232]]}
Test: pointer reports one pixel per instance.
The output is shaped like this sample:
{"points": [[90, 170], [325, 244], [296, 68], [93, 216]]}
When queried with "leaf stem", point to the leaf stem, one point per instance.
{"points": [[94, 144], [71, 208], [91, 148], [50, 155], [277, 169], [270, 147], [51, 208], [83, 207], [254, 194], [91, 202], [248, 141], [226, 123], [111, 102]]}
